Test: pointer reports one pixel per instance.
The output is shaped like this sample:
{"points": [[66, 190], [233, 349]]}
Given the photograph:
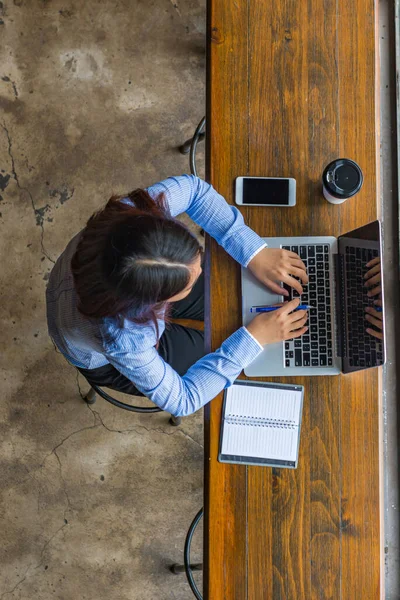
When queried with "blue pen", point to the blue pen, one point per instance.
{"points": [[261, 309]]}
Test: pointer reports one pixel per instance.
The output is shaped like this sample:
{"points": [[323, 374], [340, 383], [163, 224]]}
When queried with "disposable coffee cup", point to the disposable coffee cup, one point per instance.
{"points": [[341, 180]]}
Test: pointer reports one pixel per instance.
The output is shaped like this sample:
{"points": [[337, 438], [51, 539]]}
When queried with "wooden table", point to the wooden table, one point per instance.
{"points": [[291, 86]]}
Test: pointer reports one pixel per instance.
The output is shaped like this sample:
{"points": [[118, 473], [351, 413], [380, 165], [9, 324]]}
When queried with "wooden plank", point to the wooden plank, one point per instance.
{"points": [[278, 128], [324, 425], [191, 323], [359, 393], [225, 565], [297, 50]]}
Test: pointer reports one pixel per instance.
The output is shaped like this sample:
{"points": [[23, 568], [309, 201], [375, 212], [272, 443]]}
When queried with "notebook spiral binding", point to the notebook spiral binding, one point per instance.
{"points": [[260, 422]]}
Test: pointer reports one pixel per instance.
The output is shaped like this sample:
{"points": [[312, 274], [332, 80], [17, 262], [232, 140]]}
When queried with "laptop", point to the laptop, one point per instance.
{"points": [[337, 340]]}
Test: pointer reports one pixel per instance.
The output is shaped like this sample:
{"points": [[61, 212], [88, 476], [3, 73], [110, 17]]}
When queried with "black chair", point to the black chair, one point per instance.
{"points": [[90, 398], [190, 146], [187, 567]]}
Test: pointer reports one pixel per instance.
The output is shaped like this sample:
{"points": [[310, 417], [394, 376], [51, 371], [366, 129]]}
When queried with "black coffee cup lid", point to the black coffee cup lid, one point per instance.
{"points": [[342, 178]]}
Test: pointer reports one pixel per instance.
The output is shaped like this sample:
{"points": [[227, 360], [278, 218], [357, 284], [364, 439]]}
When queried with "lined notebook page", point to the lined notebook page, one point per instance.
{"points": [[263, 402], [261, 422]]}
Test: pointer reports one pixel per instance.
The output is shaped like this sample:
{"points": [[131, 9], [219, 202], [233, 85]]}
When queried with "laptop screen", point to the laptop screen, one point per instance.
{"points": [[359, 300]]}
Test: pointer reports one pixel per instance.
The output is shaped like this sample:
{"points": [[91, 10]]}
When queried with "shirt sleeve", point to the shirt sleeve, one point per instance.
{"points": [[210, 210], [184, 395]]}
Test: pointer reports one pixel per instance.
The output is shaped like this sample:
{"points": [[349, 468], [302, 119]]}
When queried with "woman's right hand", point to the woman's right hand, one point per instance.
{"points": [[278, 325], [373, 277], [375, 318]]}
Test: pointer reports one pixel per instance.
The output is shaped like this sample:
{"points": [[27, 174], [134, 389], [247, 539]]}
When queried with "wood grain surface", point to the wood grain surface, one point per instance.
{"points": [[290, 87], [191, 323]]}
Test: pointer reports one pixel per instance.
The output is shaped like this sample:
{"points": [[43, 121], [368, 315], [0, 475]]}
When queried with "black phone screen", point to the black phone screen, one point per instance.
{"points": [[266, 191]]}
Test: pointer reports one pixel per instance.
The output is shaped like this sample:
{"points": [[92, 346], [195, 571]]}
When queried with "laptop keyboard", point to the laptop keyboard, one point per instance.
{"points": [[363, 349], [314, 348]]}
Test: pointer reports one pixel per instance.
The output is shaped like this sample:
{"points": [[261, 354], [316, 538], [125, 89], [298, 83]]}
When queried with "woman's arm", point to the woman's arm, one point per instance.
{"points": [[201, 383], [225, 223], [209, 209], [135, 356]]}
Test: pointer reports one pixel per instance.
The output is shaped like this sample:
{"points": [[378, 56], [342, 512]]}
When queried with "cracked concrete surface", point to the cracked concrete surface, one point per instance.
{"points": [[38, 212], [94, 97]]}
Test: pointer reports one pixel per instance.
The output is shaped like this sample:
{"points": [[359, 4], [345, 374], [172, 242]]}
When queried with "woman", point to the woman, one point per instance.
{"points": [[132, 267]]}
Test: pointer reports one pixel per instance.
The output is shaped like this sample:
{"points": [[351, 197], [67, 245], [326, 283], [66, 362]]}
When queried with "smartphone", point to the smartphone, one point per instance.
{"points": [[265, 191]]}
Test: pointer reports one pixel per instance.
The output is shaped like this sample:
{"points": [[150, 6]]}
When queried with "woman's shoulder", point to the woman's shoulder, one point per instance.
{"points": [[61, 270], [125, 335]]}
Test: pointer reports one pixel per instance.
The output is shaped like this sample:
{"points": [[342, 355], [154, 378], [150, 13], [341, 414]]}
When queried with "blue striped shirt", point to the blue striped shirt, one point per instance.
{"points": [[131, 348]]}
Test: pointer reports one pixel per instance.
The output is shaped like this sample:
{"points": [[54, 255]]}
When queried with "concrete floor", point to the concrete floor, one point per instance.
{"points": [[94, 97]]}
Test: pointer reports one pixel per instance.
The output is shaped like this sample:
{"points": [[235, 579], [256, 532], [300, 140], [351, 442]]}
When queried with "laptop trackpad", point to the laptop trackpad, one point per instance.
{"points": [[254, 293]]}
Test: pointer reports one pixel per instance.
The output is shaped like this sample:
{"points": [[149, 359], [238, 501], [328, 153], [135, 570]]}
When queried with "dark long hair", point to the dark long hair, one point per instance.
{"points": [[131, 259]]}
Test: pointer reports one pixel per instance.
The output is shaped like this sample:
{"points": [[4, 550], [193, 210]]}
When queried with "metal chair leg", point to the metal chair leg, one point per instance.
{"points": [[177, 569], [185, 148], [188, 568], [175, 421], [90, 397]]}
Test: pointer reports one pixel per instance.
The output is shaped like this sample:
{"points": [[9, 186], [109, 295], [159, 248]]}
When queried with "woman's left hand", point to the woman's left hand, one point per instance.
{"points": [[273, 265], [375, 318]]}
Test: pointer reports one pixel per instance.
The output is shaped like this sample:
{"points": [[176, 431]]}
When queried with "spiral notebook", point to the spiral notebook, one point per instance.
{"points": [[261, 424]]}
